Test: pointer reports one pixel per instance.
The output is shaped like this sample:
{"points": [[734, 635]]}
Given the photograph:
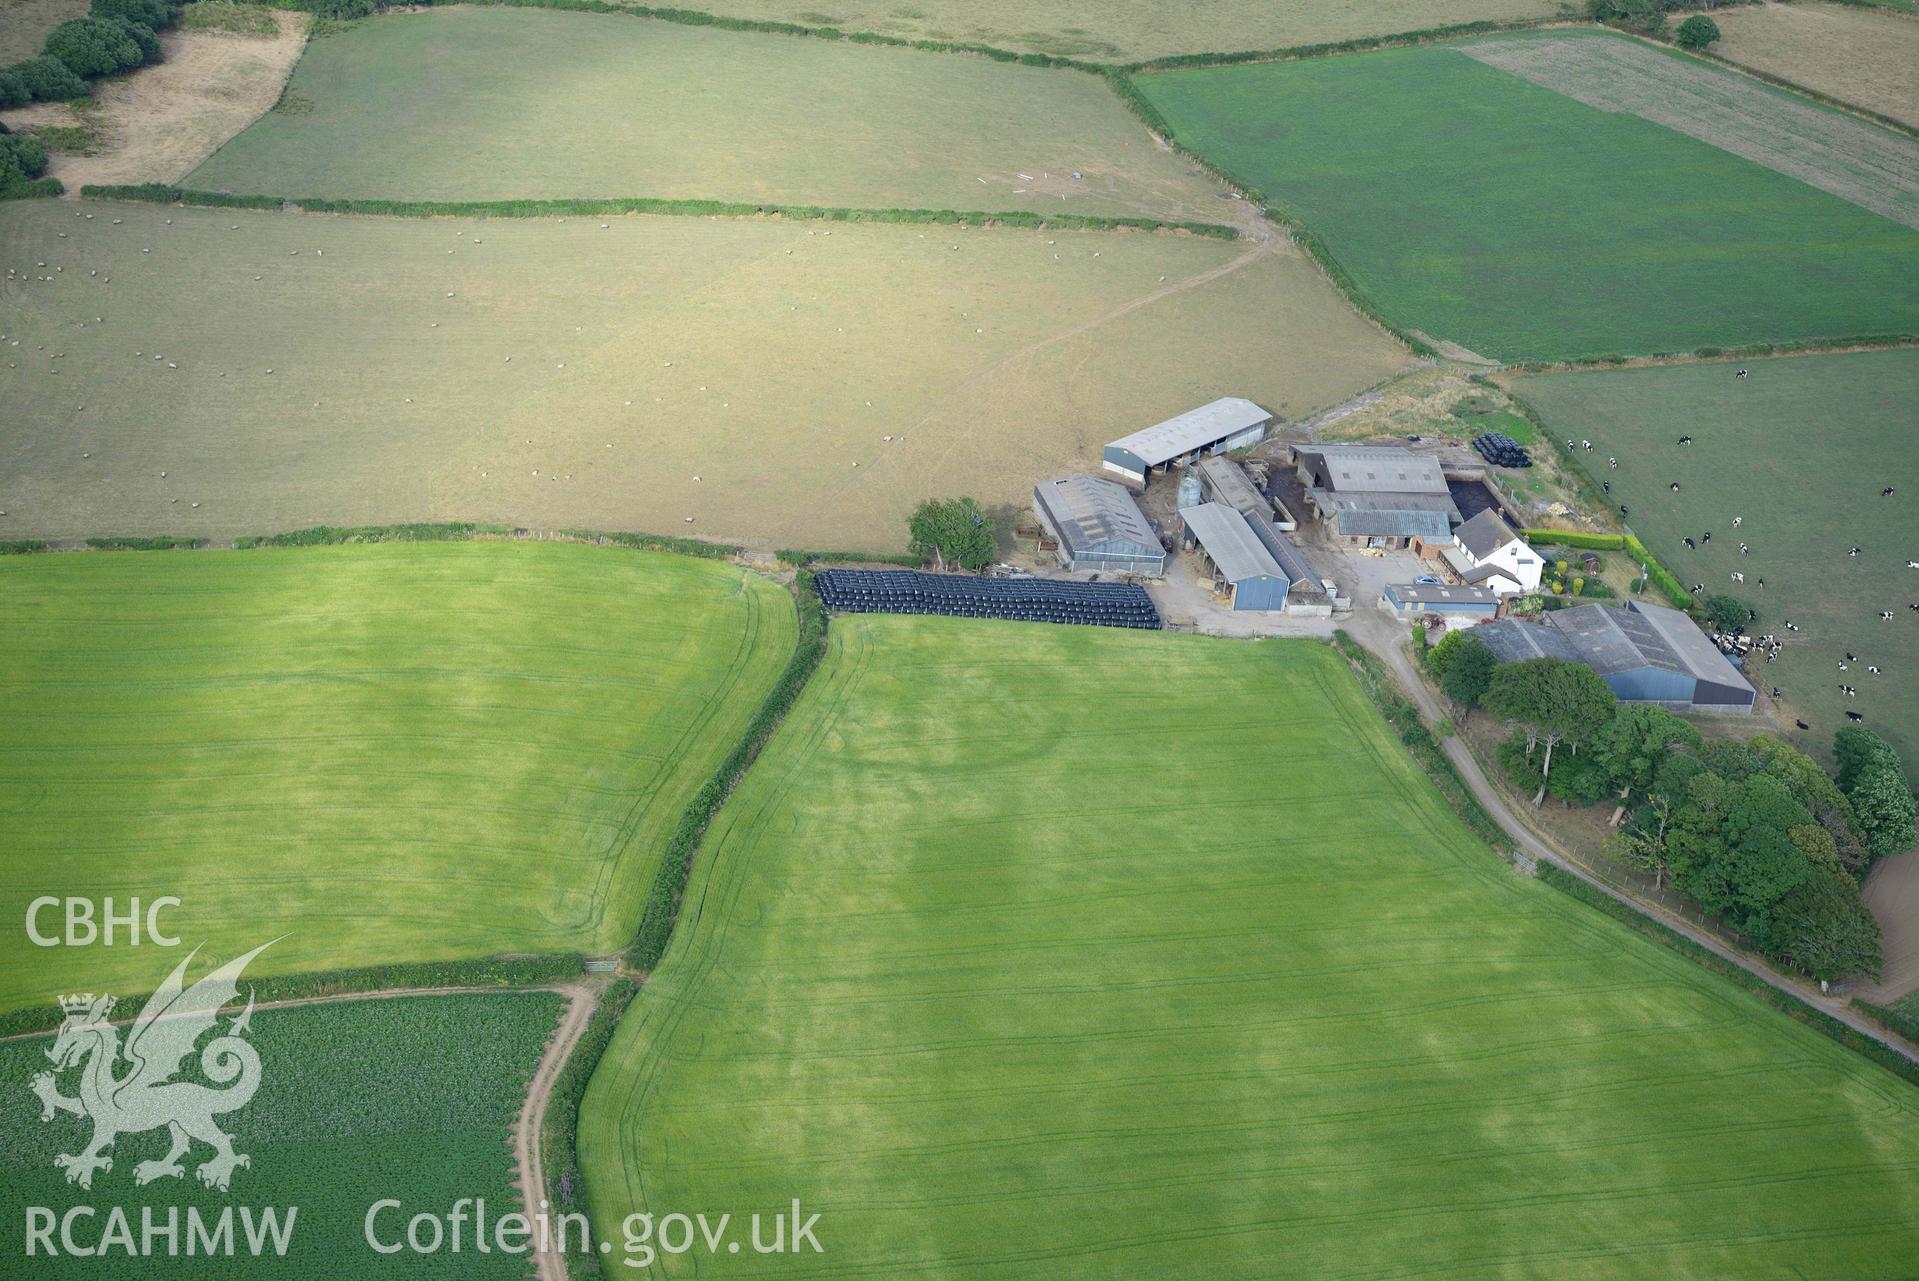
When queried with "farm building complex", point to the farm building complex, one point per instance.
{"points": [[1646, 653], [1227, 423], [1098, 526]]}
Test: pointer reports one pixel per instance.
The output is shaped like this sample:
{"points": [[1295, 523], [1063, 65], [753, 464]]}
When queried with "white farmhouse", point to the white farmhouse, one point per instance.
{"points": [[1487, 553]]}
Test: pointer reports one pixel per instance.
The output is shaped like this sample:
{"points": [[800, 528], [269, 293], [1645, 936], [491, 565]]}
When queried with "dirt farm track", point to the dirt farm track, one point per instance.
{"points": [[214, 374]]}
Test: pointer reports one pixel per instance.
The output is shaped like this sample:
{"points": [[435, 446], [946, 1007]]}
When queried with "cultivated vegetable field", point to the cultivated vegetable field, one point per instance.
{"points": [[410, 1098], [1061, 952], [401, 752], [1478, 207]]}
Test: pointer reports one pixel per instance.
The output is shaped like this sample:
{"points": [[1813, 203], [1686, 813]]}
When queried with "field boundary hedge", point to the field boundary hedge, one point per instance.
{"points": [[700, 18], [1628, 543], [1326, 49], [530, 971], [160, 193], [1403, 716], [450, 532], [801, 559], [1787, 1003], [1750, 351], [153, 543], [676, 864], [1893, 1019], [1301, 234], [559, 1152], [36, 188]]}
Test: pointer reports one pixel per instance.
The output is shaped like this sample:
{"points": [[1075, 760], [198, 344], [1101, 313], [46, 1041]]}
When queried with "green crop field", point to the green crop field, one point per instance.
{"points": [[400, 752], [359, 1101], [290, 370], [1056, 952], [1127, 30], [1490, 211], [1799, 450], [593, 105]]}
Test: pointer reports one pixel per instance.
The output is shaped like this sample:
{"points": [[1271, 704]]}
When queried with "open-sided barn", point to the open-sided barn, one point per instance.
{"points": [[1230, 422]]}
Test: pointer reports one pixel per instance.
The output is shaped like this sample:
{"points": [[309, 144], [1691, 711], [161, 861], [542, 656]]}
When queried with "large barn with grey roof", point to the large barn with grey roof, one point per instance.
{"points": [[1378, 496], [1231, 422], [1646, 653], [1098, 526]]}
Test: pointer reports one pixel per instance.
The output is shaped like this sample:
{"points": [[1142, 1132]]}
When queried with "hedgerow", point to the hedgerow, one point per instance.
{"points": [[655, 543], [1785, 1002], [329, 535], [22, 161], [150, 543], [1302, 236], [495, 971], [560, 1136], [801, 558], [157, 193], [1901, 1021], [1404, 717], [1662, 577], [22, 546], [1359, 44], [669, 884]]}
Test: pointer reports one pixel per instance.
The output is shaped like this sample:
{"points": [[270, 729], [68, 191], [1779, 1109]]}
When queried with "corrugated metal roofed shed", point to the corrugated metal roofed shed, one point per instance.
{"points": [[1380, 469], [1690, 647], [1429, 593], [1193, 430], [1393, 523], [1096, 515], [1284, 551], [1611, 641], [1228, 484], [1230, 542], [1513, 641]]}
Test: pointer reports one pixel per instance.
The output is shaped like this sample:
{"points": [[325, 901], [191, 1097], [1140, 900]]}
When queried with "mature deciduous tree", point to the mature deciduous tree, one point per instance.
{"points": [[1553, 701], [952, 530]]}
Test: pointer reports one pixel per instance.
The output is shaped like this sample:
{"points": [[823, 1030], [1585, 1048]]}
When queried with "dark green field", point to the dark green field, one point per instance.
{"points": [[1799, 450], [1482, 209], [409, 1098]]}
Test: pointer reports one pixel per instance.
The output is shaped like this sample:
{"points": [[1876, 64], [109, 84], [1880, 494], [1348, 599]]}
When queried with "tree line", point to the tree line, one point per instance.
{"points": [[115, 36], [1753, 830]]}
